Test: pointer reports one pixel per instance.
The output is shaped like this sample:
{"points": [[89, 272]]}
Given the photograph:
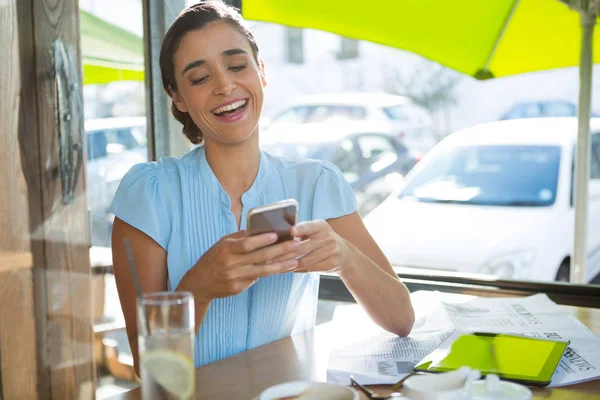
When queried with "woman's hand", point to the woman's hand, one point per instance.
{"points": [[322, 249], [236, 261]]}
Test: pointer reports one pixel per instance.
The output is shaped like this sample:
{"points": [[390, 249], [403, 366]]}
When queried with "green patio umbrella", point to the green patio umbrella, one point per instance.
{"points": [[109, 53], [483, 39]]}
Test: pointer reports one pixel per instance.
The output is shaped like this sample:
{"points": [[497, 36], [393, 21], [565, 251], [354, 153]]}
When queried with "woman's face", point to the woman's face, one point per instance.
{"points": [[219, 83]]}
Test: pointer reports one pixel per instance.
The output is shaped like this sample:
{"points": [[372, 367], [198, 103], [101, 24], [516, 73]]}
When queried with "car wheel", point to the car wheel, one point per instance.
{"points": [[564, 272]]}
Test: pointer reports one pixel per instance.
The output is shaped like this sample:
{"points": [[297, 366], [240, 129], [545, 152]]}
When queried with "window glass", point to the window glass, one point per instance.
{"points": [[513, 176], [294, 115], [346, 158], [376, 151], [397, 113]]}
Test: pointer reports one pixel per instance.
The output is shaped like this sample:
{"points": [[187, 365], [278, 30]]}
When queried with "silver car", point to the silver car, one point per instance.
{"points": [[114, 145]]}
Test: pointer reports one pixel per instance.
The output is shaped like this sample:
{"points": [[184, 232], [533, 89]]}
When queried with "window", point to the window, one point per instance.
{"points": [[348, 49], [96, 145], [294, 45], [559, 109], [377, 152], [397, 113], [346, 159], [294, 115], [336, 113], [513, 176]]}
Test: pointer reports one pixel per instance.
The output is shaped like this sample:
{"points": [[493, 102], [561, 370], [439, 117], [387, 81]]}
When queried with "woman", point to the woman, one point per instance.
{"points": [[185, 217]]}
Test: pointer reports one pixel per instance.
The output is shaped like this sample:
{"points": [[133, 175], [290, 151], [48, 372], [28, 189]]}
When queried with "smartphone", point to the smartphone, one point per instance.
{"points": [[278, 217]]}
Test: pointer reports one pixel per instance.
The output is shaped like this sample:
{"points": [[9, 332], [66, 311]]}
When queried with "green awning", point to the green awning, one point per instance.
{"points": [[109, 53], [462, 35]]}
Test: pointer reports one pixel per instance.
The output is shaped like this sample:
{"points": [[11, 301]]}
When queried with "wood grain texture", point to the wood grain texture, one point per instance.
{"points": [[305, 356], [17, 330], [19, 176], [65, 280]]}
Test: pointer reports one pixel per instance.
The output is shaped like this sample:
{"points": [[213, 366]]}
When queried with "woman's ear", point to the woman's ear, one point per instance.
{"points": [[263, 74], [177, 100]]}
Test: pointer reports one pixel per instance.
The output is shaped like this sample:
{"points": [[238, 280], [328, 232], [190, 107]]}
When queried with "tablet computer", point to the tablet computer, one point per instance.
{"points": [[523, 359]]}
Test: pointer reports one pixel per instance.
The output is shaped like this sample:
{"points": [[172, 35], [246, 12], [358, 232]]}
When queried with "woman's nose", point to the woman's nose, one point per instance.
{"points": [[223, 84]]}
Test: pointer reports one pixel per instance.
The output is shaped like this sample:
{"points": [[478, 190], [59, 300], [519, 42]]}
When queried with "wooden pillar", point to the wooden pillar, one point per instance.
{"points": [[45, 293]]}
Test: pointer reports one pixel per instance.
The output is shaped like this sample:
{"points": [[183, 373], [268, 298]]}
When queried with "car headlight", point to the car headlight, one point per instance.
{"points": [[509, 265]]}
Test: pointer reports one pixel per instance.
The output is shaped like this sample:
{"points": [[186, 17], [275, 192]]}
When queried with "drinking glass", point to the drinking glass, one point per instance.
{"points": [[166, 345]]}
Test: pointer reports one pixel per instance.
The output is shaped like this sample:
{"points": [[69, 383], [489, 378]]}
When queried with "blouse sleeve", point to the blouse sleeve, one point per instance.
{"points": [[334, 197], [138, 202]]}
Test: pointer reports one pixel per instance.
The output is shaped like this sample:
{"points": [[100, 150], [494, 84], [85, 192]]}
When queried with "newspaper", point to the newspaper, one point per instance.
{"points": [[385, 358]]}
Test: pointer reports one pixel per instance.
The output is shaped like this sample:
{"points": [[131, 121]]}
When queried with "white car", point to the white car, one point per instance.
{"points": [[405, 120], [114, 145], [494, 199]]}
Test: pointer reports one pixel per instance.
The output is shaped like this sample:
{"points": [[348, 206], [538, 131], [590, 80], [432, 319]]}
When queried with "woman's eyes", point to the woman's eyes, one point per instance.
{"points": [[235, 68], [199, 81]]}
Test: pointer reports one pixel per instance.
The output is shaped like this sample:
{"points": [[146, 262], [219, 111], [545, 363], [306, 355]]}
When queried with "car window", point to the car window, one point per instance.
{"points": [[559, 109], [377, 152], [494, 175], [139, 134], [294, 115], [397, 112], [346, 159], [123, 137], [324, 113], [531, 110], [96, 145]]}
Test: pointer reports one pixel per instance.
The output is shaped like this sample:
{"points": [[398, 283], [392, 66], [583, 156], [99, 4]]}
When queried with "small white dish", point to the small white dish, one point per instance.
{"points": [[308, 391]]}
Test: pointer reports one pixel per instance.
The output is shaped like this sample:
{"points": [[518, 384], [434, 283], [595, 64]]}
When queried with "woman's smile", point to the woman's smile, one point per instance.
{"points": [[232, 110]]}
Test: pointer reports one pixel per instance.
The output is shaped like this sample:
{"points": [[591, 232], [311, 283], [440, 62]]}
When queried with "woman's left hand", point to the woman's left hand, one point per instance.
{"points": [[322, 249]]}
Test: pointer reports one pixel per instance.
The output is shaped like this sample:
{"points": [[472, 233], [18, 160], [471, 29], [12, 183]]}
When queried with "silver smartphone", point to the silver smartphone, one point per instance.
{"points": [[278, 217]]}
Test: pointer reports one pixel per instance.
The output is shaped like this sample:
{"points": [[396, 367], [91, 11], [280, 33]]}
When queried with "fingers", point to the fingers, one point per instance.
{"points": [[309, 228], [247, 244], [275, 268], [305, 247], [281, 251], [321, 260]]}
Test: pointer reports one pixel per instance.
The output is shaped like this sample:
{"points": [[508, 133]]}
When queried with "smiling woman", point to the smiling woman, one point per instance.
{"points": [[186, 217]]}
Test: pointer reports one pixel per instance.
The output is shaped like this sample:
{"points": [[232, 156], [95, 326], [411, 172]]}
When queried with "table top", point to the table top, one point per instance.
{"points": [[305, 356]]}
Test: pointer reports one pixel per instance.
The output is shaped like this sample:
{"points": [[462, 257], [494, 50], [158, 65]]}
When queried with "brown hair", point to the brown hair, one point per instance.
{"points": [[194, 18]]}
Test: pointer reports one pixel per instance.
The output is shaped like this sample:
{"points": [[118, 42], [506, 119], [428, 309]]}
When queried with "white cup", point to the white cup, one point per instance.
{"points": [[463, 384], [455, 385]]}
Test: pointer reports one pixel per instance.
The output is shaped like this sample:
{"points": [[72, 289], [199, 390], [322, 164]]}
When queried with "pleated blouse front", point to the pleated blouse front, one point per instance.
{"points": [[181, 205]]}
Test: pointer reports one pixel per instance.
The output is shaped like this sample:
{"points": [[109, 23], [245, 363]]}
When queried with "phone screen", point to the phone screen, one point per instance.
{"points": [[278, 220]]}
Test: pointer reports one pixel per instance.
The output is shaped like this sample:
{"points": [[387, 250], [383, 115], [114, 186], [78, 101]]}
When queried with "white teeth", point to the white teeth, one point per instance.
{"points": [[229, 107]]}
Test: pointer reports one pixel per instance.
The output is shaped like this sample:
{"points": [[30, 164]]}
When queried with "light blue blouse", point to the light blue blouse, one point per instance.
{"points": [[180, 204]]}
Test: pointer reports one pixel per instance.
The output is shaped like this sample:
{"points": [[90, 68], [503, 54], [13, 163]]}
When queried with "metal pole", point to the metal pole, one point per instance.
{"points": [[582, 168]]}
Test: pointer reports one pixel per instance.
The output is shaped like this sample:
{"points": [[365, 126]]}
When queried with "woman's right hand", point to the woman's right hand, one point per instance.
{"points": [[235, 263]]}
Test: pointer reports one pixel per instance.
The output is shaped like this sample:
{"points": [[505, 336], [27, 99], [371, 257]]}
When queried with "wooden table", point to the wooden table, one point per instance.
{"points": [[304, 357]]}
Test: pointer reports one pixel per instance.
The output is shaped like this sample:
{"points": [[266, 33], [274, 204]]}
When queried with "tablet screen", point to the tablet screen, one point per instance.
{"points": [[511, 357]]}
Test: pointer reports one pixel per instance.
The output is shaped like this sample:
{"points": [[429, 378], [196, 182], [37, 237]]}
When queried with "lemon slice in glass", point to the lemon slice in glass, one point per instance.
{"points": [[172, 371]]}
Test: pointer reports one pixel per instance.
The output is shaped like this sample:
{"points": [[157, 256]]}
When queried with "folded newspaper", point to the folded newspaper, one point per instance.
{"points": [[384, 358]]}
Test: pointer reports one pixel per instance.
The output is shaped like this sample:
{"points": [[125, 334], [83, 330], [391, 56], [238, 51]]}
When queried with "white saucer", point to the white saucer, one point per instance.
{"points": [[322, 391]]}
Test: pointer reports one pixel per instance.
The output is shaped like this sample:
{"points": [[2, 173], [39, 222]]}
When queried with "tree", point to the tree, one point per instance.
{"points": [[430, 86]]}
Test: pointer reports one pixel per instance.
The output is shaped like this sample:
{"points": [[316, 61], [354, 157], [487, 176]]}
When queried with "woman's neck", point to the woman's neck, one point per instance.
{"points": [[236, 167]]}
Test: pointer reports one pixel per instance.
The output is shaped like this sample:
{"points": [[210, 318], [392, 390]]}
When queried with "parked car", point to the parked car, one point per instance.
{"points": [[494, 199], [372, 161], [114, 145], [539, 109], [408, 122]]}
